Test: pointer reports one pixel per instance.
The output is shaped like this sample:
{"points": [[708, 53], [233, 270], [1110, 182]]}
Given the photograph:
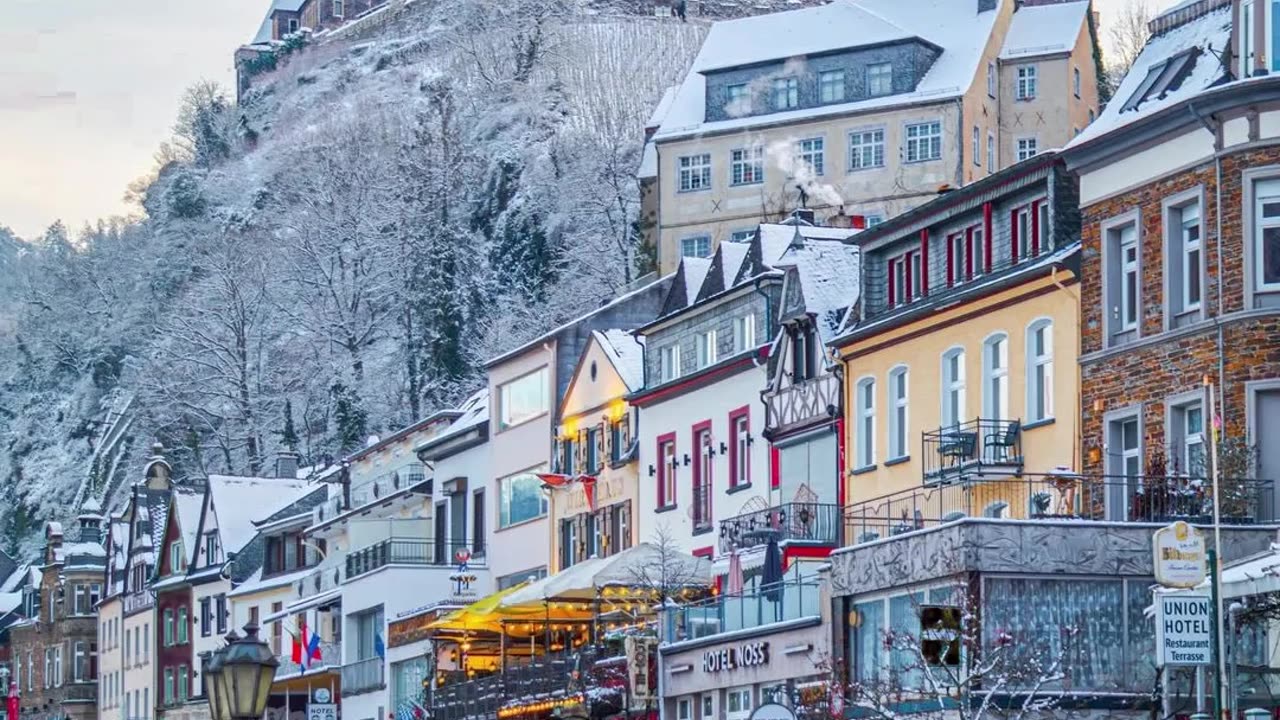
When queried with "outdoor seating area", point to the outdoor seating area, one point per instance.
{"points": [[976, 448]]}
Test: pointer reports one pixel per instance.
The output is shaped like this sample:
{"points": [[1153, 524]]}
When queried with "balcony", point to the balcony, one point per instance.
{"points": [[363, 676], [975, 449], [330, 656], [790, 600], [399, 551], [1150, 499], [318, 581], [800, 405], [548, 677], [796, 522], [137, 601]]}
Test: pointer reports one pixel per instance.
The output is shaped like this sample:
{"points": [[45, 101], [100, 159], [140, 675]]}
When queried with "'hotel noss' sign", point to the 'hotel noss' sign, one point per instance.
{"points": [[736, 656]]}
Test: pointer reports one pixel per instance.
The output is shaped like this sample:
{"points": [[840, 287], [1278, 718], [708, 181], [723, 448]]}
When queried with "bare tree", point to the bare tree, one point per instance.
{"points": [[1128, 33], [669, 570]]}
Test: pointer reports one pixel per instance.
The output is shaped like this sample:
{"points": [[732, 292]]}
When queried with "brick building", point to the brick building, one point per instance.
{"points": [[57, 643], [1180, 290]]}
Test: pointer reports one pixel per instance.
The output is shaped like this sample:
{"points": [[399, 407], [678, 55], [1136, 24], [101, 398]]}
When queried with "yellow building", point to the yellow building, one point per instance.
{"points": [[593, 504], [960, 364]]}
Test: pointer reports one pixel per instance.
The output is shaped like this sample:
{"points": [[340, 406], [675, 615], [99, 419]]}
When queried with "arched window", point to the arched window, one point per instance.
{"points": [[995, 377], [1040, 370], [898, 412], [865, 439], [953, 407]]}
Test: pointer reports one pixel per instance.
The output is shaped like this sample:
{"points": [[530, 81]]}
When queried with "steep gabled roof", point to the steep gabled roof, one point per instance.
{"points": [[1044, 30], [238, 501], [626, 352]]}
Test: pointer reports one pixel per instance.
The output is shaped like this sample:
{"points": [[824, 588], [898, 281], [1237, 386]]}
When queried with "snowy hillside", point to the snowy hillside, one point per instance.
{"points": [[336, 256]]}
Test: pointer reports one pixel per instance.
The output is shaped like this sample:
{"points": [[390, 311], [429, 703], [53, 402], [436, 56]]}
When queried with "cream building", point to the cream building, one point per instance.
{"points": [[111, 623], [859, 108]]}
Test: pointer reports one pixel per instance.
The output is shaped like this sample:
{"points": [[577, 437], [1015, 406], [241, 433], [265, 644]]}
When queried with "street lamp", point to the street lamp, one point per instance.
{"points": [[240, 675]]}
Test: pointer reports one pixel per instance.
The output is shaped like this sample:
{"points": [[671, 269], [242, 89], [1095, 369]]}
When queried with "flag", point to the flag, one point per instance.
{"points": [[379, 648], [306, 647], [735, 573], [313, 649], [296, 650]]}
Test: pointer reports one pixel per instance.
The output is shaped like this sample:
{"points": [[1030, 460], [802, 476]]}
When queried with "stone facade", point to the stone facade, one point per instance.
{"points": [[1161, 363]]}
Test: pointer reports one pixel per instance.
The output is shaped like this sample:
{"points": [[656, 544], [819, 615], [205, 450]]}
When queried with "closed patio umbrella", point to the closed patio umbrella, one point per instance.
{"points": [[771, 573]]}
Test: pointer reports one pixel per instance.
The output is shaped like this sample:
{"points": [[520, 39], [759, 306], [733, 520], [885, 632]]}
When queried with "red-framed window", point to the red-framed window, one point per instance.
{"points": [[704, 455], [966, 254], [740, 447], [1025, 230], [905, 277], [666, 471]]}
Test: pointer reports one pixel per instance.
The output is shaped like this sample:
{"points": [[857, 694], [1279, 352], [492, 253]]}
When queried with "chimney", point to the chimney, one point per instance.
{"points": [[90, 520], [287, 464]]}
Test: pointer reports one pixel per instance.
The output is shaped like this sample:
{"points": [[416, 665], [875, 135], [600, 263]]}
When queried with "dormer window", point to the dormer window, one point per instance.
{"points": [[804, 354], [786, 93], [177, 560], [210, 548], [737, 100], [905, 278], [880, 79], [966, 253], [831, 86]]}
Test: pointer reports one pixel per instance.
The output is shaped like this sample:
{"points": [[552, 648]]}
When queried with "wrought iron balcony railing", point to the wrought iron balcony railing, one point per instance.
{"points": [[974, 449], [1103, 498], [402, 551], [809, 522], [550, 676]]}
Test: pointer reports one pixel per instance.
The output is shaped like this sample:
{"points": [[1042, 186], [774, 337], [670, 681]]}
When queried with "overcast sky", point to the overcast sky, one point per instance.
{"points": [[90, 88]]}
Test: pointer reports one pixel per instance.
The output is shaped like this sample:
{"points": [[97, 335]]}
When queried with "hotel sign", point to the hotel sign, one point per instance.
{"points": [[1184, 629], [1179, 556], [736, 656]]}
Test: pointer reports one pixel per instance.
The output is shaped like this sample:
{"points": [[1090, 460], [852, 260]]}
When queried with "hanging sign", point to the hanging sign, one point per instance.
{"points": [[1179, 556], [1184, 629]]}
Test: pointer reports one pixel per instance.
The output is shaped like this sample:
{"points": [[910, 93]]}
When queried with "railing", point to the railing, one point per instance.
{"points": [[363, 676], [81, 692], [396, 551], [788, 600], [1139, 499], [138, 601], [971, 449], [544, 677], [802, 404], [322, 579], [702, 507], [330, 656], [817, 523]]}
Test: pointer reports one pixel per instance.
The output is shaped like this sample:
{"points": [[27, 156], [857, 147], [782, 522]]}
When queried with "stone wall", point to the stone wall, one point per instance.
{"points": [[1163, 363]]}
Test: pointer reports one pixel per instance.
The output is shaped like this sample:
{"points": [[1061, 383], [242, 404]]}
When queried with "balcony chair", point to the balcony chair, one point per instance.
{"points": [[1000, 443]]}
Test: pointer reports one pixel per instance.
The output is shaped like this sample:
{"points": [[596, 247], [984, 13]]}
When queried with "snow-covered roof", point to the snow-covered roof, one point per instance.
{"points": [[731, 256], [828, 272], [695, 273], [475, 411], [1044, 29], [15, 579], [1205, 37], [956, 27], [257, 583], [189, 505], [626, 352], [660, 112], [648, 161], [9, 601], [238, 501], [264, 30]]}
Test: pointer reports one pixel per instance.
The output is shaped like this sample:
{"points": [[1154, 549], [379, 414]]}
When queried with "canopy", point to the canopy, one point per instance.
{"points": [[488, 614], [645, 565]]}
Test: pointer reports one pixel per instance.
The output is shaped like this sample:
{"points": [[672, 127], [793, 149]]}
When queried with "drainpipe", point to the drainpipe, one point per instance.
{"points": [[1215, 128]]}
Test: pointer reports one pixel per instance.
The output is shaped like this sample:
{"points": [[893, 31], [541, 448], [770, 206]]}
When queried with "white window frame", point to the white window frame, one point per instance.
{"points": [[831, 86], [669, 362], [1039, 383], [694, 172], [505, 497], [995, 376], [741, 430], [991, 78], [697, 241], [1028, 147], [880, 79], [977, 146], [1130, 292], [1260, 224], [744, 333], [991, 151], [744, 696], [705, 349], [812, 151], [737, 99], [866, 144], [541, 377], [339, 9], [865, 439], [684, 708], [899, 393], [292, 25], [785, 93], [1075, 80], [1179, 244], [746, 166], [1114, 293], [1025, 88], [1178, 435], [670, 464], [708, 706], [925, 135], [742, 236], [953, 387]]}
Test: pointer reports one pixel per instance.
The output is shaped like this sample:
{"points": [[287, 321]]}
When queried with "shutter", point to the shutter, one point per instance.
{"points": [[625, 433], [580, 453], [951, 259], [557, 453], [968, 253], [924, 262], [600, 447], [1035, 228], [606, 441], [1013, 235], [986, 236], [892, 299]]}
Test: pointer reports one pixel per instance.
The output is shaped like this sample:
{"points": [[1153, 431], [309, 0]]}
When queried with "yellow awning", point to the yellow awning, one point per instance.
{"points": [[488, 614]]}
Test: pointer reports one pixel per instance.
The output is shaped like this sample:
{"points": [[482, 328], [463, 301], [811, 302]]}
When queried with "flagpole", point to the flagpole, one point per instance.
{"points": [[1215, 575]]}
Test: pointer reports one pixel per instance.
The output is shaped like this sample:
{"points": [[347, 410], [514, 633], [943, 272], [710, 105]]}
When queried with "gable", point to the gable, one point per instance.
{"points": [[172, 534], [586, 392], [792, 296], [208, 524]]}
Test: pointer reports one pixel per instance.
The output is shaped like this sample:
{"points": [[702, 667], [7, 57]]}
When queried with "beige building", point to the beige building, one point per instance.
{"points": [[859, 108]]}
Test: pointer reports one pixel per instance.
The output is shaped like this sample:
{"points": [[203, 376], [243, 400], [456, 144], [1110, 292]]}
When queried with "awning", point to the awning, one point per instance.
{"points": [[644, 565], [486, 614], [752, 559], [305, 604]]}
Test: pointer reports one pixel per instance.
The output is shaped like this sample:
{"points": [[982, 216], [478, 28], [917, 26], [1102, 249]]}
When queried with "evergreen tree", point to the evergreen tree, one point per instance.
{"points": [[289, 435]]}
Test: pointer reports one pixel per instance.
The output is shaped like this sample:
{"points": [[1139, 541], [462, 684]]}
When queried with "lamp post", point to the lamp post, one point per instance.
{"points": [[239, 677]]}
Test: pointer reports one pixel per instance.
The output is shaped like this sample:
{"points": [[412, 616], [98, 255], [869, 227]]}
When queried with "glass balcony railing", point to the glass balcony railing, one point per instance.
{"points": [[788, 600]]}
